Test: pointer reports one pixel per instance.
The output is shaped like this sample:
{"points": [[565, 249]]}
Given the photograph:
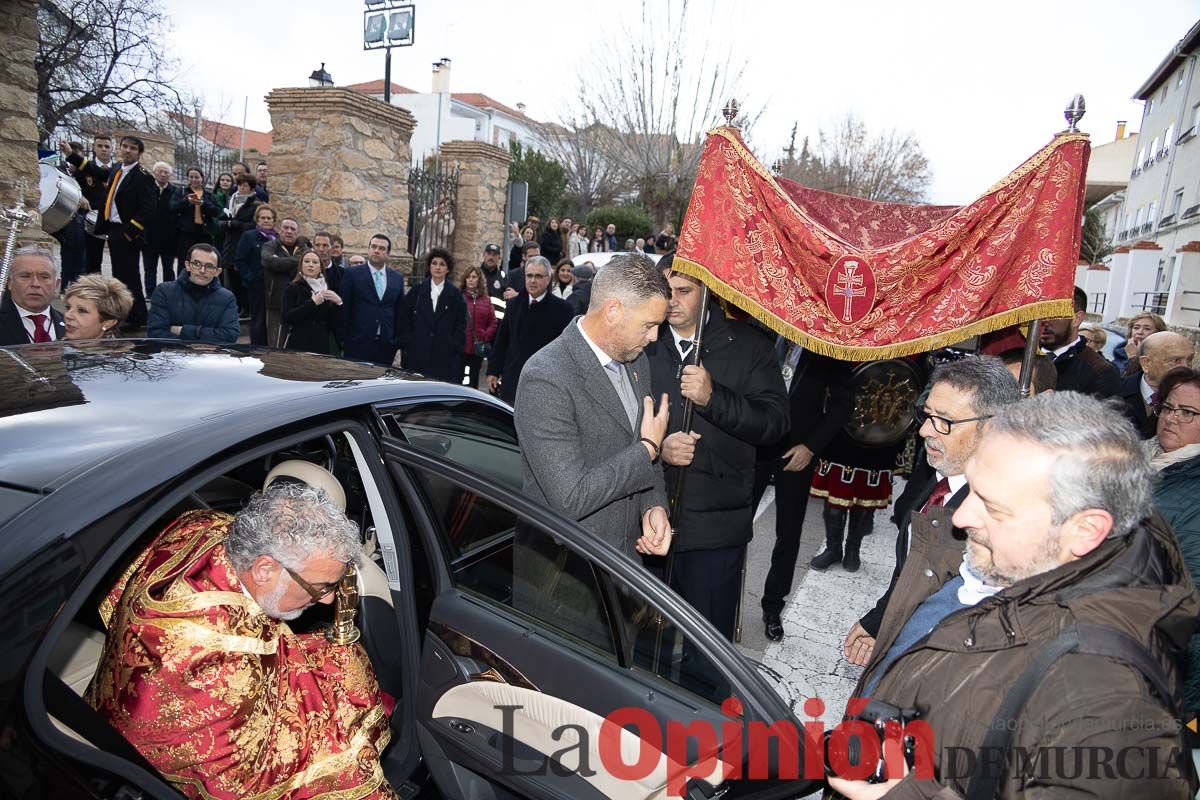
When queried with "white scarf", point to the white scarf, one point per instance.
{"points": [[316, 284], [1160, 460], [974, 590]]}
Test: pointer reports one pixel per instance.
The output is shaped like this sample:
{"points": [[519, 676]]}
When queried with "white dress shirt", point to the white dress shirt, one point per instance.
{"points": [[113, 216], [435, 291], [31, 326], [1147, 390], [679, 340]]}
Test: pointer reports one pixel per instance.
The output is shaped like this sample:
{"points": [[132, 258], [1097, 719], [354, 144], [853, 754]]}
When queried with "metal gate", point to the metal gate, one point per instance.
{"points": [[432, 210]]}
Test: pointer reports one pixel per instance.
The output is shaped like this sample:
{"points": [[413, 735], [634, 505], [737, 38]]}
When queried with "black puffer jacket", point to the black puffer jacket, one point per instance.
{"points": [[748, 409]]}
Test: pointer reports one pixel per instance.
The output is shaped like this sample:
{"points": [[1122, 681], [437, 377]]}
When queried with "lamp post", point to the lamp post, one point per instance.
{"points": [[320, 77]]}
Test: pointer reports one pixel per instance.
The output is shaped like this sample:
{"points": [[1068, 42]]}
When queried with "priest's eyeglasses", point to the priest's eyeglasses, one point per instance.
{"points": [[318, 591], [941, 424], [1185, 415]]}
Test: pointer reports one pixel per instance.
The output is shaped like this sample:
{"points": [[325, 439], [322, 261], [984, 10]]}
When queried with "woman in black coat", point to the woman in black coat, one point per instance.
{"points": [[309, 309], [186, 206], [431, 334], [551, 242]]}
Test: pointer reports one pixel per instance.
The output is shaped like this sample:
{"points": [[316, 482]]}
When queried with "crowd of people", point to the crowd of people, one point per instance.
{"points": [[1072, 511]]}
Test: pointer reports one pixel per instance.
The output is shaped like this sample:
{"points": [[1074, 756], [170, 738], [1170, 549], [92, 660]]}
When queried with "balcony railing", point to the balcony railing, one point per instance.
{"points": [[1151, 301]]}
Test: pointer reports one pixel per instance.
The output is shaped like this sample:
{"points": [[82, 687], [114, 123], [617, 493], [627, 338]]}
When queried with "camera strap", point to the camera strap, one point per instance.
{"points": [[1086, 639]]}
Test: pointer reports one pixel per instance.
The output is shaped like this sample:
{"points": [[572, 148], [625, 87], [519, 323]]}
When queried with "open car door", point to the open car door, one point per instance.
{"points": [[536, 633]]}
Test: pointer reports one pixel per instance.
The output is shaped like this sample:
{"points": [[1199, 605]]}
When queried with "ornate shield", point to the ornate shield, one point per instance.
{"points": [[884, 393]]}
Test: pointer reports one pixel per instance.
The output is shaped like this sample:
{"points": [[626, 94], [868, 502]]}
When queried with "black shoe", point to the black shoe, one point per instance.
{"points": [[826, 559], [851, 561], [774, 625]]}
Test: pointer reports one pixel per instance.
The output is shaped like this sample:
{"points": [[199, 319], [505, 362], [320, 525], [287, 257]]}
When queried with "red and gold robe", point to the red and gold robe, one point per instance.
{"points": [[225, 701]]}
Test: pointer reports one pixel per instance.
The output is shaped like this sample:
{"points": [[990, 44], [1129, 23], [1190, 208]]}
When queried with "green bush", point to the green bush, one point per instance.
{"points": [[632, 221]]}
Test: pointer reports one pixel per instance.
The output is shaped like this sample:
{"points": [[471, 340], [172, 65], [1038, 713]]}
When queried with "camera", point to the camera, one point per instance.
{"points": [[878, 715]]}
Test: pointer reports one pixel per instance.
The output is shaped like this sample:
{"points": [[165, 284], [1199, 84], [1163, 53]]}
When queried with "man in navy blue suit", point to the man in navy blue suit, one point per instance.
{"points": [[370, 295]]}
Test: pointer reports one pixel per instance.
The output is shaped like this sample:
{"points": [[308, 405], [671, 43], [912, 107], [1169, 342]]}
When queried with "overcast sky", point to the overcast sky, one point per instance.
{"points": [[981, 85]]}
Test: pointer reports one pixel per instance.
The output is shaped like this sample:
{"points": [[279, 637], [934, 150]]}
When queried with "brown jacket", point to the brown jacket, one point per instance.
{"points": [[958, 674]]}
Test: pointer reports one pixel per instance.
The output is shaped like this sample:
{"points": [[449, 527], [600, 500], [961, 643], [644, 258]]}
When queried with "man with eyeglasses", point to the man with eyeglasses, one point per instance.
{"points": [[203, 675], [1158, 354], [195, 307], [963, 395], [532, 320]]}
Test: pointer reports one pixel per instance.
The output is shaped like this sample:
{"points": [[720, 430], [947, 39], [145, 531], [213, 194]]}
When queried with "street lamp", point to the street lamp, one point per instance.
{"points": [[320, 77]]}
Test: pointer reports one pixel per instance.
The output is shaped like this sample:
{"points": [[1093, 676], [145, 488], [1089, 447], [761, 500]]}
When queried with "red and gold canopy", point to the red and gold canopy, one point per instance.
{"points": [[857, 279]]}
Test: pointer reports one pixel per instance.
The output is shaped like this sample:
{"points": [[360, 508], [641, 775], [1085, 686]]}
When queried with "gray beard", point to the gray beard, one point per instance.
{"points": [[270, 605]]}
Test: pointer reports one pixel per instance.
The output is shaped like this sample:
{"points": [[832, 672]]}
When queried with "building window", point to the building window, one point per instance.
{"points": [[1162, 96], [1177, 203], [1154, 149], [1141, 159], [1151, 220], [1137, 218], [1150, 106], [1167, 138], [1179, 79]]}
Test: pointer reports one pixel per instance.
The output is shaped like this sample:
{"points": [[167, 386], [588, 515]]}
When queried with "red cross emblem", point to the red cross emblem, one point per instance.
{"points": [[850, 289]]}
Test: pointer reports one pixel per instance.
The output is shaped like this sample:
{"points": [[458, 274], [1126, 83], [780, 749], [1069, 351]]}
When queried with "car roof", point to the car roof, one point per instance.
{"points": [[67, 407]]}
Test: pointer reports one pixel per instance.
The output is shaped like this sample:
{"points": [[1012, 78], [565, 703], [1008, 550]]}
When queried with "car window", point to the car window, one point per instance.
{"points": [[678, 660], [529, 572], [469, 433]]}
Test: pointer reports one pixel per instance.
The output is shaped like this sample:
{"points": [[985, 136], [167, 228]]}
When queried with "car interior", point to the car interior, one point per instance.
{"points": [[327, 461]]}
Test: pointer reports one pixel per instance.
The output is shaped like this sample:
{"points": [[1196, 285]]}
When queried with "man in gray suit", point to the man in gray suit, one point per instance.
{"points": [[590, 438]]}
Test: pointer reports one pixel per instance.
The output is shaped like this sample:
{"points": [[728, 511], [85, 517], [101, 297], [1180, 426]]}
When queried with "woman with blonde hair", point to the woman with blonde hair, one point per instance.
{"points": [[1140, 326], [96, 305]]}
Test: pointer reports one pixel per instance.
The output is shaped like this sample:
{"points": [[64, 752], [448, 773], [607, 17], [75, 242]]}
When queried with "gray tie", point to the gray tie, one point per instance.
{"points": [[616, 374]]}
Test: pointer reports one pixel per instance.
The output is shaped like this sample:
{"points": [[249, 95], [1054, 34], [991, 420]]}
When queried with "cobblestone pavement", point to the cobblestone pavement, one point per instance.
{"points": [[819, 612]]}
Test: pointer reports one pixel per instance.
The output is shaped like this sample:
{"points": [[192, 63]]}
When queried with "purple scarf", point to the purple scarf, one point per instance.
{"points": [[270, 234]]}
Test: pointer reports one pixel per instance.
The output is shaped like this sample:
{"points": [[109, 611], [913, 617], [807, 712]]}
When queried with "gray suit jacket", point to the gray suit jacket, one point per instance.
{"points": [[581, 456]]}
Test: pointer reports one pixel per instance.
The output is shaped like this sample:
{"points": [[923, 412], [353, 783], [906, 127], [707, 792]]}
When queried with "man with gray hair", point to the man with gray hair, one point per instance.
{"points": [[590, 436], [1057, 636], [532, 319], [203, 675], [963, 396], [26, 314]]}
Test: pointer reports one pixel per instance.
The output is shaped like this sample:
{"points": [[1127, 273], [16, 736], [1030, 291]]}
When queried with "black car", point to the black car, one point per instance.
{"points": [[498, 694]]}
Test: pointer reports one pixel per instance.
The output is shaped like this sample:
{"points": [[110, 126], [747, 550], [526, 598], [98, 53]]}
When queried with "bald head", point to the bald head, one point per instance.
{"points": [[1161, 352]]}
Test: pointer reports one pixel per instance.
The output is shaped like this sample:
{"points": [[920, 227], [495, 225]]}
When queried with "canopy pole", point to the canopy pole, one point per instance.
{"points": [[1031, 351]]}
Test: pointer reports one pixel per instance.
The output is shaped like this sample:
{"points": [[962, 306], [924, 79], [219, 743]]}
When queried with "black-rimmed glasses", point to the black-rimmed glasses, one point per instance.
{"points": [[318, 591], [1185, 414], [941, 424]]}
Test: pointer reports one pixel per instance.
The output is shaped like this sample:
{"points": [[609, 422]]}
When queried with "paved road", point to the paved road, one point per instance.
{"points": [[821, 608]]}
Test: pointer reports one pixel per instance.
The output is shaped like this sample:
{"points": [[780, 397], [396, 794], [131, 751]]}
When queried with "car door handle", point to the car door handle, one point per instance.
{"points": [[489, 674]]}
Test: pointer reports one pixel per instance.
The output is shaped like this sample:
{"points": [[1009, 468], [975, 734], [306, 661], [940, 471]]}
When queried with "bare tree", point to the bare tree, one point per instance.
{"points": [[847, 159], [189, 121], [647, 100], [593, 179], [109, 53]]}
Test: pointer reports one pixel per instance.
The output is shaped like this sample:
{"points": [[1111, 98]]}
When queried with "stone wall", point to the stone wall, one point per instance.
{"points": [[340, 162], [158, 147], [482, 185], [18, 101]]}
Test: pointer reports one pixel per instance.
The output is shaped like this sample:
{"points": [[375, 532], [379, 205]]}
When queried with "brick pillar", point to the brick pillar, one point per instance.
{"points": [[158, 148], [482, 185], [339, 162], [18, 101]]}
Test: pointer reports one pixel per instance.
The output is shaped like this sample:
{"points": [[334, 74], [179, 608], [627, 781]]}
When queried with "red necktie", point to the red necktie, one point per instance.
{"points": [[939, 495], [40, 334]]}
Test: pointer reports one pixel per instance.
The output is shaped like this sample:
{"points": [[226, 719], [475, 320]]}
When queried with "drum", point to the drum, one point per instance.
{"points": [[884, 394], [89, 224], [60, 198]]}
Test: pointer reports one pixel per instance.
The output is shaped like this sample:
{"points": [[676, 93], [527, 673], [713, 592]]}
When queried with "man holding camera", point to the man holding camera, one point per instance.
{"points": [[1045, 661]]}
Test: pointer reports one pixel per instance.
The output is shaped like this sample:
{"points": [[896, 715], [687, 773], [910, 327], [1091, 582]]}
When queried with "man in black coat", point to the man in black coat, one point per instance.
{"points": [[161, 230], [128, 207], [532, 320], [740, 404], [431, 323], [1080, 368], [963, 395], [92, 183], [492, 275], [26, 314], [820, 402]]}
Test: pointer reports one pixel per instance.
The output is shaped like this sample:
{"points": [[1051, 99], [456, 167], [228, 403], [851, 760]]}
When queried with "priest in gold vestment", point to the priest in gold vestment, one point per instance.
{"points": [[202, 674]]}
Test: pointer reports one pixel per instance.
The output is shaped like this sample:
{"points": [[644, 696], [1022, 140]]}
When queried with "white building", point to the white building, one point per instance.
{"points": [[469, 116], [1156, 265]]}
